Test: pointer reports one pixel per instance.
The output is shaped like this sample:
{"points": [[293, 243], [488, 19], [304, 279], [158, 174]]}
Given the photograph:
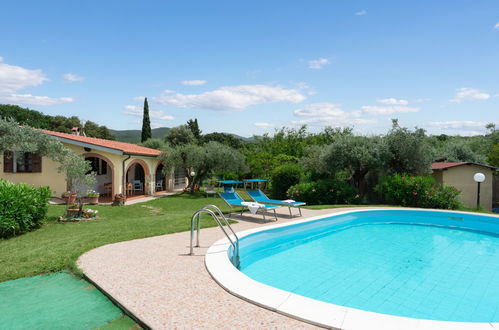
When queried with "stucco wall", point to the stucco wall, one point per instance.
{"points": [[48, 177], [461, 177]]}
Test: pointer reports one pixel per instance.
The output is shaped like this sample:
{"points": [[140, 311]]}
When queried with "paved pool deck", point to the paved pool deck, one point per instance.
{"points": [[164, 287]]}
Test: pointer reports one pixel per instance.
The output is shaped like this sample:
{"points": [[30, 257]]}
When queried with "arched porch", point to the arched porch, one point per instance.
{"points": [[137, 179], [161, 179], [104, 169]]}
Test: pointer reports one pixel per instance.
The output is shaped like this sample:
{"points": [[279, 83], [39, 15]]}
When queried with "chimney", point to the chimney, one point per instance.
{"points": [[75, 131]]}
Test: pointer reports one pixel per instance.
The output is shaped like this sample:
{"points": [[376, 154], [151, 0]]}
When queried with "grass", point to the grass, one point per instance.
{"points": [[56, 246]]}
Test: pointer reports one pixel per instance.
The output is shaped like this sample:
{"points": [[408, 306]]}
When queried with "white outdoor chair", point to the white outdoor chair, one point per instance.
{"points": [[138, 185], [159, 185]]}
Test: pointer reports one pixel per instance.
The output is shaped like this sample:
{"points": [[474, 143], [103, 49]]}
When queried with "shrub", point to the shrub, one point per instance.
{"points": [[418, 191], [22, 208], [324, 192], [284, 177]]}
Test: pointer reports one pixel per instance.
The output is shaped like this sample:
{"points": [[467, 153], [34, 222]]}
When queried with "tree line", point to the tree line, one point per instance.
{"points": [[333, 153], [36, 119]]}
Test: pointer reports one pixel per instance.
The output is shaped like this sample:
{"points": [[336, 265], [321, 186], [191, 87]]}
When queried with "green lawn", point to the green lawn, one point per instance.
{"points": [[56, 246]]}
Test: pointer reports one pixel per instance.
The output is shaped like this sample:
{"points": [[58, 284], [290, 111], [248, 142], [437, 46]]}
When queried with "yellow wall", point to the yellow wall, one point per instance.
{"points": [[461, 177], [48, 177], [56, 181]]}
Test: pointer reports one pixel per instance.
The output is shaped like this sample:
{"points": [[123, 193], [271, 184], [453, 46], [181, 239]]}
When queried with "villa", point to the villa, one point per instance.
{"points": [[121, 167]]}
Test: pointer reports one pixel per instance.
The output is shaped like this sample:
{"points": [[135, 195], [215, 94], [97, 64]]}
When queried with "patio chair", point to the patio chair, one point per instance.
{"points": [[259, 197], [159, 185], [210, 190], [138, 185], [234, 200]]}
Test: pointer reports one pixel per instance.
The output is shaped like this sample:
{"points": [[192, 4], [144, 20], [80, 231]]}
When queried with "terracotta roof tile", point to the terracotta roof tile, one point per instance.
{"points": [[443, 165], [128, 148]]}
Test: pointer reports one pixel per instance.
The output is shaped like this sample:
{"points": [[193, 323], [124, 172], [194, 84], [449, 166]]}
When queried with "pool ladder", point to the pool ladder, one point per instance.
{"points": [[222, 221]]}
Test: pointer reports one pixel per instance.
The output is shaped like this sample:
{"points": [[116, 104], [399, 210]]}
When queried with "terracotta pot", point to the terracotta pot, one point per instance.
{"points": [[92, 200], [72, 212], [71, 199]]}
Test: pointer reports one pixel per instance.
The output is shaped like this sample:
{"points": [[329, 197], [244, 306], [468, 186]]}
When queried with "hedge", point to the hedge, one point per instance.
{"points": [[418, 191], [284, 177], [324, 192], [22, 207]]}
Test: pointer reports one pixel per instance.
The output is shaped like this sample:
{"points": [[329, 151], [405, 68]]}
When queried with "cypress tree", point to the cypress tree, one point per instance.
{"points": [[146, 123]]}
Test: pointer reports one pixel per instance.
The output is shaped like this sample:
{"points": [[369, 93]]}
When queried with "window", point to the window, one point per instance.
{"points": [[22, 162]]}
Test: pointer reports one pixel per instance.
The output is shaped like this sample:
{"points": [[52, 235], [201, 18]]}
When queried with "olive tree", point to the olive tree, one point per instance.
{"points": [[202, 160], [407, 151], [349, 155], [76, 169], [180, 135]]}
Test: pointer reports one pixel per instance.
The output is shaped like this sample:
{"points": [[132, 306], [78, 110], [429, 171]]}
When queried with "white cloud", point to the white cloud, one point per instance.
{"points": [[496, 26], [469, 94], [463, 128], [319, 63], [193, 82], [361, 12], [393, 101], [387, 110], [232, 97], [465, 124], [388, 107], [135, 110], [328, 114], [264, 125], [72, 77], [14, 78], [28, 99]]}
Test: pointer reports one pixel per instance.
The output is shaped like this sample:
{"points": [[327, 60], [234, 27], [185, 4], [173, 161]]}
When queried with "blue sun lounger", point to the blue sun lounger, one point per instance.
{"points": [[259, 197], [234, 200]]}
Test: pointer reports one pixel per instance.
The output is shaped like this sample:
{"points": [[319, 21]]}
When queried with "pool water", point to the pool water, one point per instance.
{"points": [[410, 270]]}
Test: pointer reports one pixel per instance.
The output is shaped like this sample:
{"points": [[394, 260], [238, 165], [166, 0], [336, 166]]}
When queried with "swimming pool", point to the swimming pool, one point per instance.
{"points": [[430, 265]]}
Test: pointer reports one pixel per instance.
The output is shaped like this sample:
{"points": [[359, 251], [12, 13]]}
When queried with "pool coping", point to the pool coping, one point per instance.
{"points": [[310, 310]]}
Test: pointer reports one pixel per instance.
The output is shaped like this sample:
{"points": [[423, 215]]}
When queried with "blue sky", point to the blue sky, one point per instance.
{"points": [[250, 67]]}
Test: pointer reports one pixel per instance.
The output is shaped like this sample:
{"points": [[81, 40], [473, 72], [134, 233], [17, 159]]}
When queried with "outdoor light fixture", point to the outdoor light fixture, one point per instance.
{"points": [[479, 178], [194, 173]]}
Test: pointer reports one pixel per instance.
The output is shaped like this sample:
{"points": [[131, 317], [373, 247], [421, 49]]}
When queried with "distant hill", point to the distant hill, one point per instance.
{"points": [[133, 135]]}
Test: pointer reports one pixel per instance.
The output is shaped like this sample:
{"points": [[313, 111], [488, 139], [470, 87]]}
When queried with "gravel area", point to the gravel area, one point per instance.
{"points": [[156, 280]]}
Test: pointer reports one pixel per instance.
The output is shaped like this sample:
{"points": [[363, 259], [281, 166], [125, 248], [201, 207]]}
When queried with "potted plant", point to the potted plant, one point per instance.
{"points": [[93, 197], [72, 211], [69, 197], [119, 199]]}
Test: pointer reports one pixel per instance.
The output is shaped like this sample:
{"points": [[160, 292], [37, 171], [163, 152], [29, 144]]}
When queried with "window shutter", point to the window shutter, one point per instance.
{"points": [[37, 163], [8, 161]]}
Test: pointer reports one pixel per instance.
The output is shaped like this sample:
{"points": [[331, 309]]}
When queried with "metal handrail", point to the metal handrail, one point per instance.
{"points": [[207, 209]]}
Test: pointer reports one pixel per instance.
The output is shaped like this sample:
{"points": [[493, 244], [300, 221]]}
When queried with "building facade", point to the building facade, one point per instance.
{"points": [[120, 167], [460, 176]]}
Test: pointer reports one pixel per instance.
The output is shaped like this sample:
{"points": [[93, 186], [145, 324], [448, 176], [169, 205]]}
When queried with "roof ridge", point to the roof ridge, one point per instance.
{"points": [[125, 147]]}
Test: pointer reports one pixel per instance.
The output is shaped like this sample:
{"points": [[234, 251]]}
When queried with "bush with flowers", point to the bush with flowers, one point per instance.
{"points": [[417, 191], [323, 192]]}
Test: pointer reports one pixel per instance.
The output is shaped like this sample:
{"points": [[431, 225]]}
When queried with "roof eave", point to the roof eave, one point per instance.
{"points": [[89, 145]]}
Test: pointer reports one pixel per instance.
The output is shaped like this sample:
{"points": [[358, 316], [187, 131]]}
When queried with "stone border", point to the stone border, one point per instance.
{"points": [[310, 310]]}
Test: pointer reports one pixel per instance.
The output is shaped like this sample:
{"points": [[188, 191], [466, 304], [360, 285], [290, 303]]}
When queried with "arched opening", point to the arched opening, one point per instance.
{"points": [[136, 179], [104, 171], [180, 181], [160, 179]]}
